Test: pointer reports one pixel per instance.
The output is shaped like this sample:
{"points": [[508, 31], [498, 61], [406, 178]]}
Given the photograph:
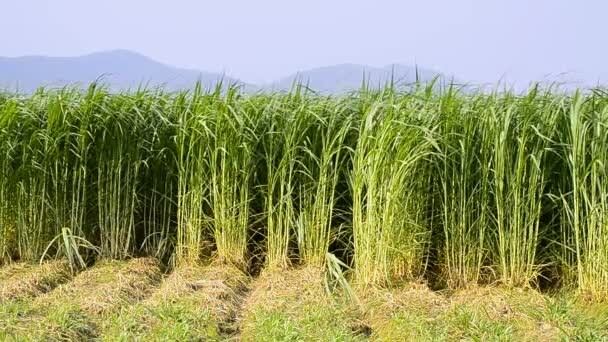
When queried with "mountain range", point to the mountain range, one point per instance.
{"points": [[122, 69]]}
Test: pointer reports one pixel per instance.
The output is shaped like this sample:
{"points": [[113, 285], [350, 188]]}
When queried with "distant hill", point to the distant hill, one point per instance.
{"points": [[120, 69], [346, 77]]}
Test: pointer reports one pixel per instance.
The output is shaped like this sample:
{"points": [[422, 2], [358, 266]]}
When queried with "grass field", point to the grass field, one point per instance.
{"points": [[430, 213], [130, 301]]}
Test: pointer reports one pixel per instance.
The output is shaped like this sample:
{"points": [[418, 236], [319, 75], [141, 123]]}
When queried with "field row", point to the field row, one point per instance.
{"points": [[134, 300], [456, 188], [118, 301]]}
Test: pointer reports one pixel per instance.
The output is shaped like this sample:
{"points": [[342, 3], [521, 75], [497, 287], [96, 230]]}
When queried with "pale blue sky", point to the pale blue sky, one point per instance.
{"points": [[258, 41]]}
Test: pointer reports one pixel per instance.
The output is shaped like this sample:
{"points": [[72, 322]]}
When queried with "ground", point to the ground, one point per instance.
{"points": [[136, 301]]}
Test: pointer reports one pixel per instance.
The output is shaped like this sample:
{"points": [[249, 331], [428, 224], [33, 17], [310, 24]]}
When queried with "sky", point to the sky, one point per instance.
{"points": [[481, 41]]}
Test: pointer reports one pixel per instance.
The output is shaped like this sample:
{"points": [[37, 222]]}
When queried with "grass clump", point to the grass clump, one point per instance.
{"points": [[286, 124], [463, 185], [325, 152], [192, 142], [585, 193], [389, 184], [232, 166], [522, 143]]}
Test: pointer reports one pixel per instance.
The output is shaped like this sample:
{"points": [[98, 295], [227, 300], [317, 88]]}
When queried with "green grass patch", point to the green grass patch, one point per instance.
{"points": [[179, 320]]}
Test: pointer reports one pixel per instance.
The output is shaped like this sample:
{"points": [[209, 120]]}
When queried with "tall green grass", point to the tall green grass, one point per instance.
{"points": [[7, 191], [522, 129], [463, 180], [456, 187], [390, 185], [325, 153], [286, 123], [231, 162], [158, 194], [192, 139], [585, 193]]}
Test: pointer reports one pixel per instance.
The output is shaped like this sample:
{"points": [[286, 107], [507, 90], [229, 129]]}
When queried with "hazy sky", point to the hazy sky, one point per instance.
{"points": [[258, 41]]}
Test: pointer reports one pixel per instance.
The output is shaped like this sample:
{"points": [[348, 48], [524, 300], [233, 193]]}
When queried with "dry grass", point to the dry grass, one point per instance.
{"points": [[73, 311], [20, 281], [380, 303], [121, 301], [217, 287], [499, 302], [193, 303], [414, 312], [295, 305], [287, 287], [515, 307], [8, 270], [108, 285]]}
